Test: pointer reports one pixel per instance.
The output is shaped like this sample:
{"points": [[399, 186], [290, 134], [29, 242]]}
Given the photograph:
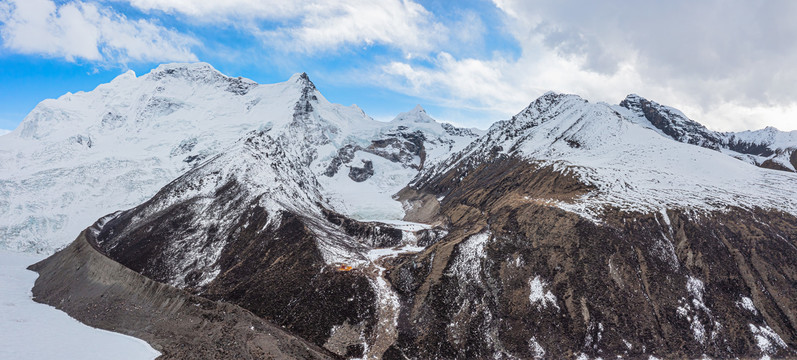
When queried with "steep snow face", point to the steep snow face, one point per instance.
{"points": [[394, 152], [768, 147], [632, 166], [78, 157]]}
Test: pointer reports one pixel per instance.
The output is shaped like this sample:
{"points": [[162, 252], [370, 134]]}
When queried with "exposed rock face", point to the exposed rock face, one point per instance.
{"points": [[360, 174], [674, 124], [102, 293]]}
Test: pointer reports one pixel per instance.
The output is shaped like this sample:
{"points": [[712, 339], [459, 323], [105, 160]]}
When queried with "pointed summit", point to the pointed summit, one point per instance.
{"points": [[416, 115], [550, 101], [303, 80]]}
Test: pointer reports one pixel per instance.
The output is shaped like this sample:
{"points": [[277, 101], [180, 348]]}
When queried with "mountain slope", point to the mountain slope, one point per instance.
{"points": [[767, 147], [630, 166], [574, 230], [263, 224]]}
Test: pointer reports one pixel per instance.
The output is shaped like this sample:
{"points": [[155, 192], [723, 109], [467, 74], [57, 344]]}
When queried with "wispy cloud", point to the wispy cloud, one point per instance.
{"points": [[85, 31], [311, 26]]}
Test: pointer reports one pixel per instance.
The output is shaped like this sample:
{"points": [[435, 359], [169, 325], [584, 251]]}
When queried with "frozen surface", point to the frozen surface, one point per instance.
{"points": [[29, 330]]}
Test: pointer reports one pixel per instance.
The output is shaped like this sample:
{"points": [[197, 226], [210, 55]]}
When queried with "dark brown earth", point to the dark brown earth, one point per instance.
{"points": [[793, 159], [771, 164], [273, 269], [102, 293]]}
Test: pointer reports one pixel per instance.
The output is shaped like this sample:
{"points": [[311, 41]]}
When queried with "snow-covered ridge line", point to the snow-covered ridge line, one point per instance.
{"points": [[767, 147], [633, 166], [87, 154]]}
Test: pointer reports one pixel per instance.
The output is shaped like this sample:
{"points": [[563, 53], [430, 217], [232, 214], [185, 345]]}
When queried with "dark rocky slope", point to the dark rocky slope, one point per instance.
{"points": [[546, 281], [104, 294]]}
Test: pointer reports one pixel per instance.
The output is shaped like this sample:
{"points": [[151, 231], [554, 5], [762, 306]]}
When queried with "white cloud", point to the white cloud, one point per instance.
{"points": [[727, 64], [79, 30], [4, 131], [314, 25]]}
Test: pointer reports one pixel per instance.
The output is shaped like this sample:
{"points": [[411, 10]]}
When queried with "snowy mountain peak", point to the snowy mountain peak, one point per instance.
{"points": [[303, 80], [127, 75], [550, 101], [671, 122], [416, 115], [610, 149]]}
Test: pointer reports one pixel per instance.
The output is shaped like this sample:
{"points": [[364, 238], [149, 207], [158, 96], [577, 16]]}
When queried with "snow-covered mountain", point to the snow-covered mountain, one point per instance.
{"points": [[582, 230], [573, 229], [767, 147], [81, 156], [631, 163]]}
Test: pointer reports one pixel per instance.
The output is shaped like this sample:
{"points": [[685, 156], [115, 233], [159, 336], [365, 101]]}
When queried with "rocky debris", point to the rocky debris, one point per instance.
{"points": [[401, 147], [360, 174], [455, 131], [104, 294]]}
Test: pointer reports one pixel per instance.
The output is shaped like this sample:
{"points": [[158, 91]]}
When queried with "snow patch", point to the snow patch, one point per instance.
{"points": [[467, 265], [539, 296], [767, 340], [536, 349], [747, 304]]}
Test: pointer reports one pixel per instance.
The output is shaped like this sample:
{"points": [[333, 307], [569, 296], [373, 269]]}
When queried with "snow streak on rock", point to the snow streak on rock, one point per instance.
{"points": [[539, 296]]}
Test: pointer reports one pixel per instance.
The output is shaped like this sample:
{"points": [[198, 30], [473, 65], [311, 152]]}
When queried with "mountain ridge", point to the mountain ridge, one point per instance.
{"points": [[91, 153]]}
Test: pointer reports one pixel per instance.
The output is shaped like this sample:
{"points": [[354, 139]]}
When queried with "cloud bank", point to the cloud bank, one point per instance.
{"points": [[86, 31]]}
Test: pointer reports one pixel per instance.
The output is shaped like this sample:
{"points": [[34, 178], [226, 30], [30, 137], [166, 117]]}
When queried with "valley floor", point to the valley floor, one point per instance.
{"points": [[29, 330]]}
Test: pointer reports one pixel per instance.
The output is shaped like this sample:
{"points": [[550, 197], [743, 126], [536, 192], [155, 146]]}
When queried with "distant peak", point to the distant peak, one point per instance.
{"points": [[184, 66], [634, 101], [551, 98], [417, 115], [129, 74], [303, 80], [187, 71], [550, 101]]}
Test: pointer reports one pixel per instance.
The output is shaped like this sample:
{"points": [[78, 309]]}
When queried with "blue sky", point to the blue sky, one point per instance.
{"points": [[728, 64]]}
